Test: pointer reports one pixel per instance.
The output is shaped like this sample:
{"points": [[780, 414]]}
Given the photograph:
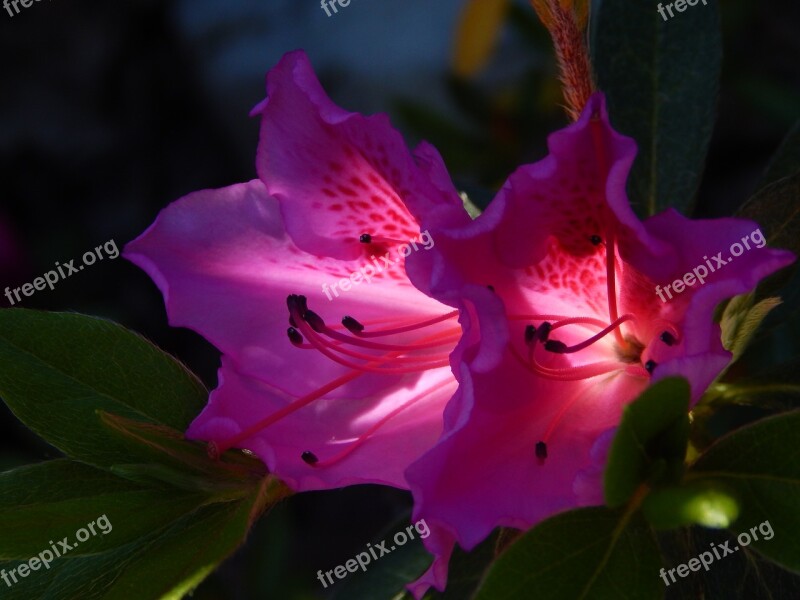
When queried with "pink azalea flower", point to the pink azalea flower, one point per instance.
{"points": [[347, 386], [573, 276]]}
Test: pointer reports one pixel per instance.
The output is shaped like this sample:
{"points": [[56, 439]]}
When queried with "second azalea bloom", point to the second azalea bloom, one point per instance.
{"points": [[561, 286], [335, 367]]}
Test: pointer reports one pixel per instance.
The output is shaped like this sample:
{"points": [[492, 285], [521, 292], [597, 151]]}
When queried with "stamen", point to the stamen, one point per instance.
{"points": [[650, 366], [217, 448], [420, 325], [569, 373], [541, 451], [366, 238], [352, 325], [314, 320], [559, 416], [287, 410], [530, 334], [380, 423], [543, 332], [561, 348], [668, 338], [358, 341], [294, 336], [326, 349], [611, 270], [309, 458], [596, 240]]}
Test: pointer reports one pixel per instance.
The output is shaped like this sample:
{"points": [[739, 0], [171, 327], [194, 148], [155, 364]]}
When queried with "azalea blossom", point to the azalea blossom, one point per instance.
{"points": [[326, 393], [561, 257]]}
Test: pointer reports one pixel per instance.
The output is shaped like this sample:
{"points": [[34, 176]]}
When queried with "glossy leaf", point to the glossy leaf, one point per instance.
{"points": [[700, 503], [387, 577], [761, 464], [591, 553], [160, 544], [776, 208], [58, 369], [786, 161], [650, 443], [661, 81]]}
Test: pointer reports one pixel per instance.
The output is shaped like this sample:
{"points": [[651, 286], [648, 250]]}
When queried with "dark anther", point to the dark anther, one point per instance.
{"points": [[309, 458], [352, 325], [650, 366], [541, 450], [314, 320], [295, 301], [543, 332], [555, 346], [491, 288], [596, 240], [530, 334], [365, 238], [668, 338], [294, 336]]}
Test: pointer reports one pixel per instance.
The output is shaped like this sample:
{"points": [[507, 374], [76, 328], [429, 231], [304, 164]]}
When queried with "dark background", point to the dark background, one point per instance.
{"points": [[109, 111]]}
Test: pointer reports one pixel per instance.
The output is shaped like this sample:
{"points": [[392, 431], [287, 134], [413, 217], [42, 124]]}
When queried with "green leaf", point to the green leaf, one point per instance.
{"points": [[50, 501], [385, 579], [650, 443], [57, 370], [761, 464], [741, 319], [152, 543], [698, 503], [741, 574], [776, 208], [466, 569], [661, 80], [591, 553], [786, 161], [178, 462]]}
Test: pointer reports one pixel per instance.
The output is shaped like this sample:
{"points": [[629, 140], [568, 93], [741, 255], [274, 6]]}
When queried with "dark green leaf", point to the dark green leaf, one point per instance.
{"points": [[761, 464], [57, 370], [650, 443], [591, 553], [702, 503], [741, 574], [661, 81], [386, 578], [466, 569], [741, 319], [52, 500], [786, 161], [160, 544], [776, 208], [179, 462]]}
